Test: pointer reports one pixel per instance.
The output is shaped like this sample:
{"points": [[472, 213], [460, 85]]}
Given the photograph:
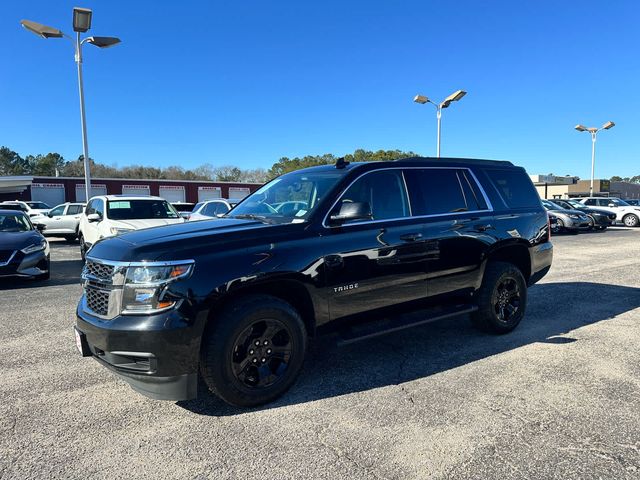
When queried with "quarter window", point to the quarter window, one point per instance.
{"points": [[384, 192], [515, 187]]}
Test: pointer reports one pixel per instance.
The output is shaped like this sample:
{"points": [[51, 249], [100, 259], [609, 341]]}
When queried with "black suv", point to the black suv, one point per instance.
{"points": [[235, 299]]}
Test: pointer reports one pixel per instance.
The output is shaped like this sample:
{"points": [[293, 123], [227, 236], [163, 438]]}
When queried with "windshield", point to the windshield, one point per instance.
{"points": [[39, 205], [12, 206], [564, 204], [550, 205], [576, 204], [291, 197], [14, 222], [139, 209]]}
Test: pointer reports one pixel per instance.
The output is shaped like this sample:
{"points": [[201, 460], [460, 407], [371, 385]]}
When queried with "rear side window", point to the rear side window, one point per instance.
{"points": [[74, 209], [437, 191], [515, 187]]}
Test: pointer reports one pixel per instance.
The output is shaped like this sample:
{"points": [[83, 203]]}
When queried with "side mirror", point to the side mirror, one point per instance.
{"points": [[40, 226], [612, 205], [93, 217], [350, 211]]}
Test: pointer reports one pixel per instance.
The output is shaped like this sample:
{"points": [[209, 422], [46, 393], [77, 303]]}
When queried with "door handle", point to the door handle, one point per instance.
{"points": [[410, 237], [483, 228]]}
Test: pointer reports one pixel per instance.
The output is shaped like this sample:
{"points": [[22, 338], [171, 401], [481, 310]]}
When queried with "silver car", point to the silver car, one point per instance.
{"points": [[62, 220], [567, 220]]}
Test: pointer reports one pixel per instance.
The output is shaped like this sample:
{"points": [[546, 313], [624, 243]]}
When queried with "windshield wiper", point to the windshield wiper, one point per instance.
{"points": [[251, 216]]}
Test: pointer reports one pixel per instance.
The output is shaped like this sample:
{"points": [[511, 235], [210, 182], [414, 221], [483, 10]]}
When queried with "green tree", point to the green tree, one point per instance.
{"points": [[615, 178], [12, 164]]}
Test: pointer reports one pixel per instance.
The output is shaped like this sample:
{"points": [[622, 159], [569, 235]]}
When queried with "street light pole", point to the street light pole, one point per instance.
{"points": [[594, 136], [81, 23], [83, 121], [454, 97]]}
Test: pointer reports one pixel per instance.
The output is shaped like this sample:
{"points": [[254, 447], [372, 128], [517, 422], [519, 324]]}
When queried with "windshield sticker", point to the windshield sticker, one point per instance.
{"points": [[115, 205]]}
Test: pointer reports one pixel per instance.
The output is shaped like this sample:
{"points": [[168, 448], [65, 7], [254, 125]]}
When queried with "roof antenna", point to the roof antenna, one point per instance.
{"points": [[341, 163]]}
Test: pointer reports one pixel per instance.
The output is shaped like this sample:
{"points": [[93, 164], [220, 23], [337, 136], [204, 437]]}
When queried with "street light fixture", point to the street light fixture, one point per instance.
{"points": [[594, 134], [454, 97], [81, 24]]}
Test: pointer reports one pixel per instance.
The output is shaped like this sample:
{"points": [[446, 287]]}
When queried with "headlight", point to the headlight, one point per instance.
{"points": [[36, 247], [119, 230], [145, 287], [573, 215]]}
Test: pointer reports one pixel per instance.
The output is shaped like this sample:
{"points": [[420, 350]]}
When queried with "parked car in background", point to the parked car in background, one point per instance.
{"points": [[62, 220], [24, 252], [110, 215], [570, 221], [211, 209], [553, 222], [234, 301], [625, 213], [600, 219], [38, 208], [183, 208], [634, 202]]}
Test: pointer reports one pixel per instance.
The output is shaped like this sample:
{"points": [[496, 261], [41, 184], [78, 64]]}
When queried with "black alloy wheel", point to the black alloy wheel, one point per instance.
{"points": [[262, 353], [502, 298], [506, 299], [253, 350]]}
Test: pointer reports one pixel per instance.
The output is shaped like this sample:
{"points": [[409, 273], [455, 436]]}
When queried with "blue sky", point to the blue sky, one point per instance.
{"points": [[248, 82]]}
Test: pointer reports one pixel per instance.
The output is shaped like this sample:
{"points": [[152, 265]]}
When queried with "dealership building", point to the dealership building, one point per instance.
{"points": [[551, 186], [56, 190]]}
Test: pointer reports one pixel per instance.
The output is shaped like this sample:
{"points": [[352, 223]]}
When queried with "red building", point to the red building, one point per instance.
{"points": [[56, 190]]}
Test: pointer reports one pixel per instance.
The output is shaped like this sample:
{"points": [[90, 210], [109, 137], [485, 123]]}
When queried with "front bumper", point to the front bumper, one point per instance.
{"points": [[30, 265], [156, 354]]}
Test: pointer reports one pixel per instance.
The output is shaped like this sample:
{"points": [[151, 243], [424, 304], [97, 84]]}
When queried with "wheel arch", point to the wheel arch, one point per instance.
{"points": [[289, 290], [516, 253]]}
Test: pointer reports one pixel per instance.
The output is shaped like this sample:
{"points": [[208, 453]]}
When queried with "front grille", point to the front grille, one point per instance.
{"points": [[5, 255], [97, 300], [99, 270]]}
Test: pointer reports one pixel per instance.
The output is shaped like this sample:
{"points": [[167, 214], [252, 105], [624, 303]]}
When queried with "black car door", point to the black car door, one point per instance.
{"points": [[377, 262], [457, 221]]}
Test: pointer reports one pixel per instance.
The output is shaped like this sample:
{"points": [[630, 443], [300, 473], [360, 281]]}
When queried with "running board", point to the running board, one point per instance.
{"points": [[387, 325]]}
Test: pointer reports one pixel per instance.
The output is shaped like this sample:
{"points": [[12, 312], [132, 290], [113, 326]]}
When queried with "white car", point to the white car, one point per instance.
{"points": [[625, 213], [31, 208], [110, 215], [211, 209], [62, 220]]}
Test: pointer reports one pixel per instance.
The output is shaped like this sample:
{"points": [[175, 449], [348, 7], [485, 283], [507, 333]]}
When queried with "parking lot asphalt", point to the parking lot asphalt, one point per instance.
{"points": [[557, 398]]}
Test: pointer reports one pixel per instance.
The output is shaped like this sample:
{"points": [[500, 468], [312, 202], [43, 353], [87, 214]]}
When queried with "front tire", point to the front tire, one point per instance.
{"points": [[501, 300], [254, 351], [83, 247], [631, 220]]}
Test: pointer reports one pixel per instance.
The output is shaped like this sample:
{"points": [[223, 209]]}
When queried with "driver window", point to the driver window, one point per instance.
{"points": [[57, 211], [99, 208], [384, 192]]}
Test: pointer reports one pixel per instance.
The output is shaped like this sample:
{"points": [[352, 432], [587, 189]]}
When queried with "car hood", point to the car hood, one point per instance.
{"points": [[188, 240], [18, 240], [145, 223]]}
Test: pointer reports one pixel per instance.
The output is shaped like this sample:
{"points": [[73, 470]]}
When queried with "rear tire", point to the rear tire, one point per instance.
{"points": [[501, 300], [254, 351]]}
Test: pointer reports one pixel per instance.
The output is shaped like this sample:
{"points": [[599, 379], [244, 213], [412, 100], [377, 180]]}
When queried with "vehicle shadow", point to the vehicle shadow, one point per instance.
{"points": [[433, 348], [63, 272]]}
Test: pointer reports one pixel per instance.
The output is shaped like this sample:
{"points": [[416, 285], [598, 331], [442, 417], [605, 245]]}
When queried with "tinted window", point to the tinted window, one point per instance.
{"points": [[14, 222], [383, 190], [90, 207], [472, 193], [515, 187], [590, 201], [74, 209], [436, 191]]}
